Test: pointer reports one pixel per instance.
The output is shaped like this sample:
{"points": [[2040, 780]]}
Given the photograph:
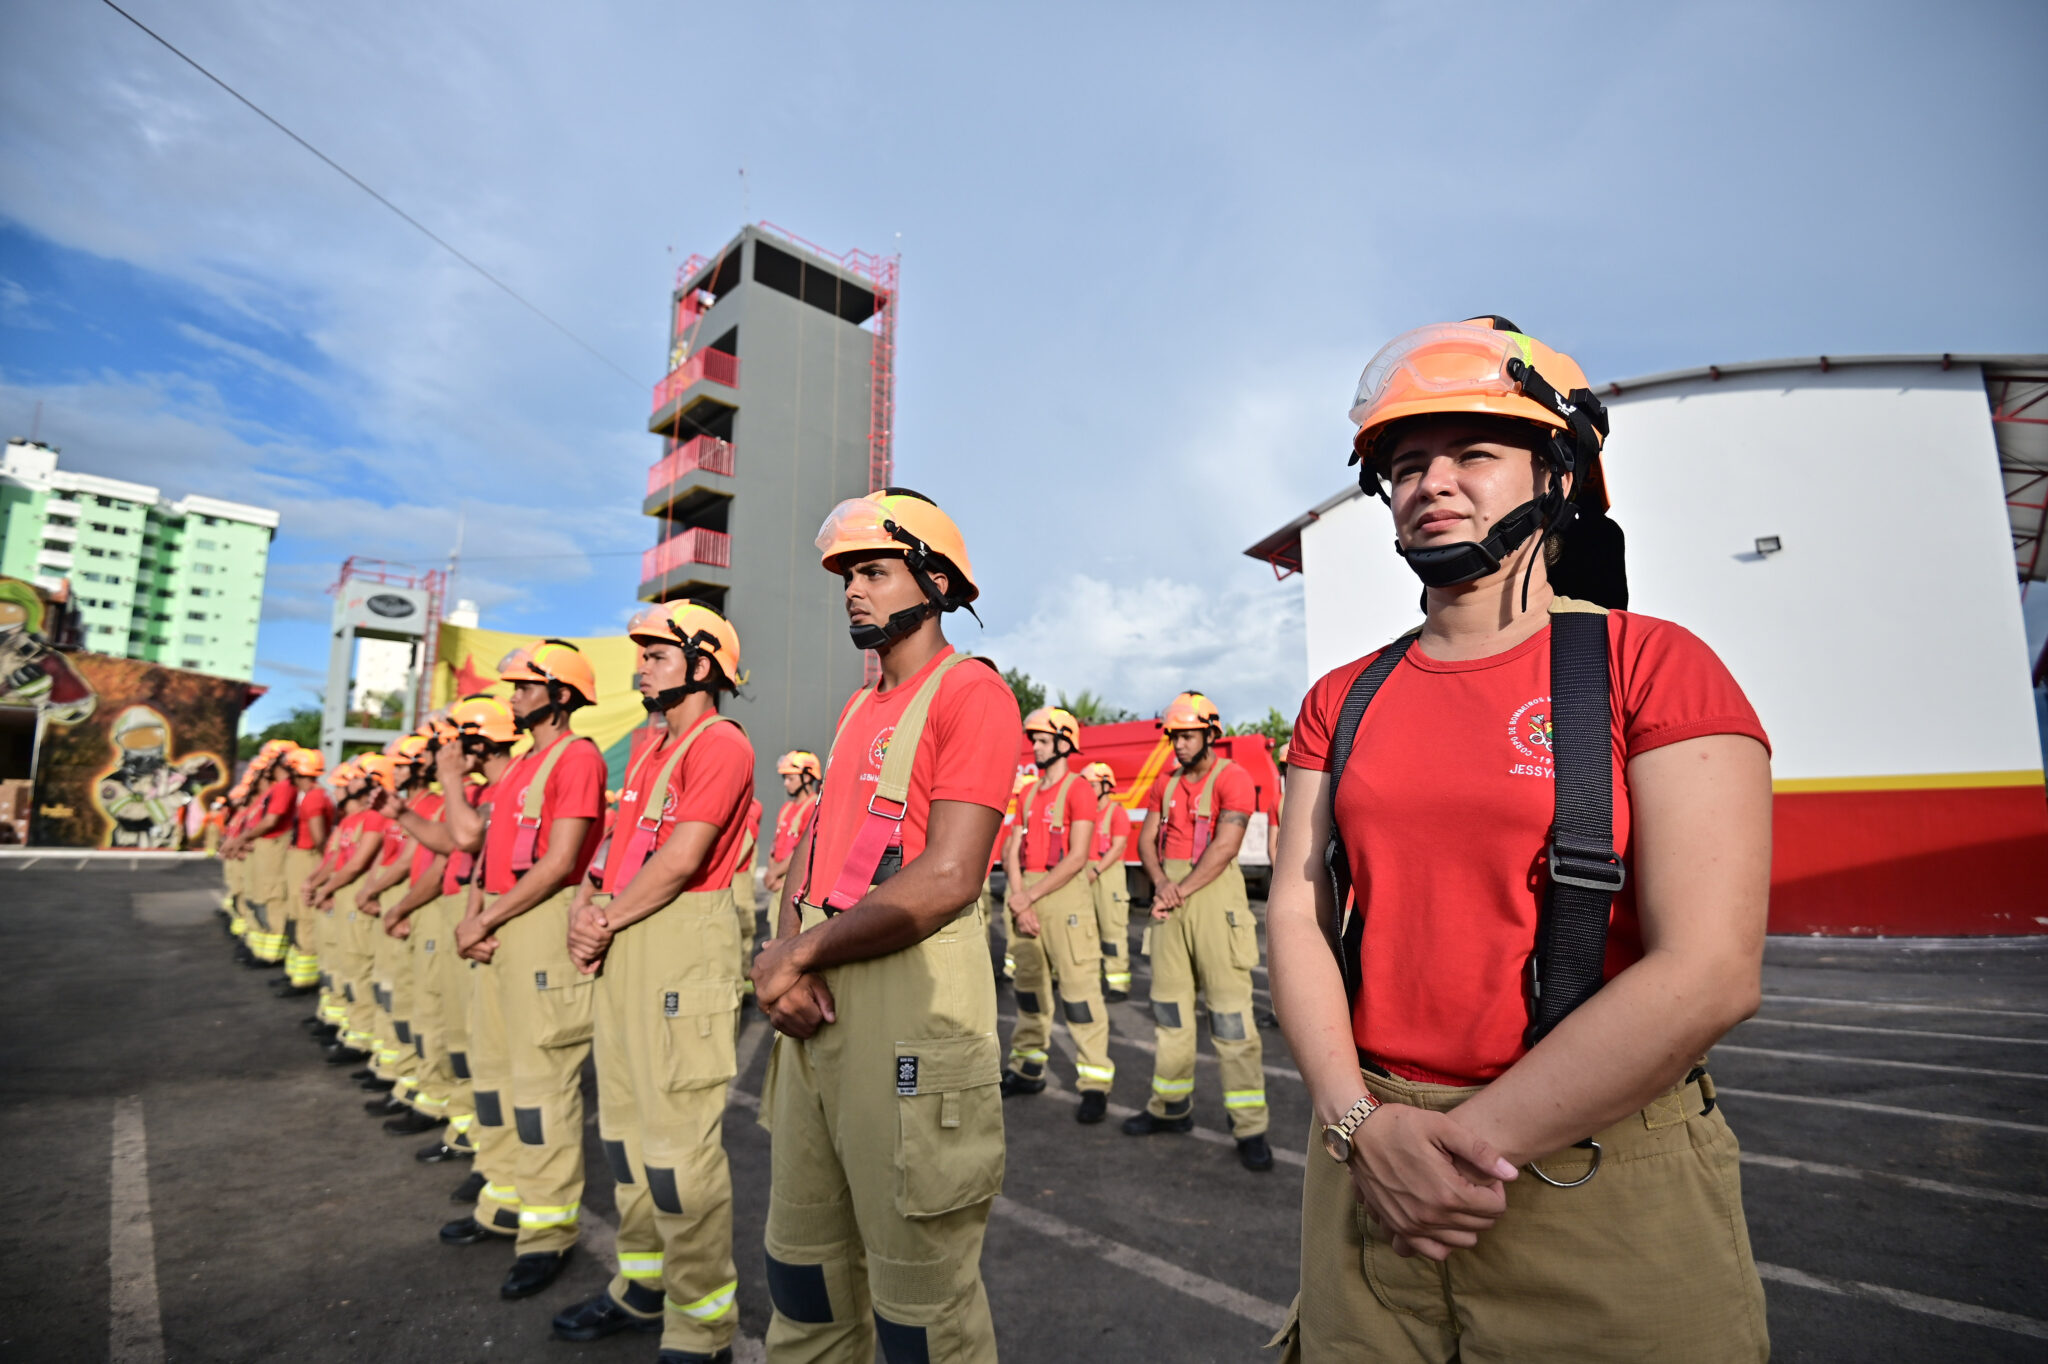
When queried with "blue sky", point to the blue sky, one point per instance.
{"points": [[1146, 250]]}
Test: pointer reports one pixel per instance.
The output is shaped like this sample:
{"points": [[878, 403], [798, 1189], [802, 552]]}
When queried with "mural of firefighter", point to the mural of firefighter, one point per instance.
{"points": [[145, 793], [31, 672]]}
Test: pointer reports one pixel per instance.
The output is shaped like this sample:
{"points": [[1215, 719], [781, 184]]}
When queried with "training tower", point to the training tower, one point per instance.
{"points": [[375, 600], [778, 404]]}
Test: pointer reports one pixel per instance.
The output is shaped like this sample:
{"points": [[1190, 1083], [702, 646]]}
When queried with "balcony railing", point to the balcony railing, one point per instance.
{"points": [[715, 365], [708, 453], [712, 548]]}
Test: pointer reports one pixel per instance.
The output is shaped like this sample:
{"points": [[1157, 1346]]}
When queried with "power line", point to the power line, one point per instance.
{"points": [[421, 227]]}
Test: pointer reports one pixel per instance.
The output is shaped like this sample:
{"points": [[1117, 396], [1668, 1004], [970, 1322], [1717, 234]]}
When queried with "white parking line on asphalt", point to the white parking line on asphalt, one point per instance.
{"points": [[1966, 1312], [135, 1328], [1835, 1059], [1902, 1006], [1888, 1110], [1200, 1287], [1895, 1032], [1942, 1187], [1054, 1089]]}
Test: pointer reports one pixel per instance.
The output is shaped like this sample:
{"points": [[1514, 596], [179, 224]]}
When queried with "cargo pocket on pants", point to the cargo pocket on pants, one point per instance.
{"points": [[563, 1000], [949, 1124], [1084, 938], [697, 1033], [1244, 938]]}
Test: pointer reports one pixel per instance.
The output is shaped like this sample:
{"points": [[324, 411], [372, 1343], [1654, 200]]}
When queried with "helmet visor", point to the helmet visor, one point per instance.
{"points": [[1443, 358], [854, 524]]}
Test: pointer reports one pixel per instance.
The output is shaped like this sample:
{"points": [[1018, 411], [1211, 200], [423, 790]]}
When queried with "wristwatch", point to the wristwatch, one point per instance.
{"points": [[1337, 1136]]}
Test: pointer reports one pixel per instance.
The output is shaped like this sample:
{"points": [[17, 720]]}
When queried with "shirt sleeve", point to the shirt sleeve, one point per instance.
{"points": [[1674, 688], [576, 786], [1082, 802], [1314, 728], [1235, 790], [715, 782], [979, 730]]}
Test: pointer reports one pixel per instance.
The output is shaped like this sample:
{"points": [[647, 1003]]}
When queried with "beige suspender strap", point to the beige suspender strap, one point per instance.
{"points": [[537, 790], [1205, 804], [895, 776], [1056, 818], [668, 768]]}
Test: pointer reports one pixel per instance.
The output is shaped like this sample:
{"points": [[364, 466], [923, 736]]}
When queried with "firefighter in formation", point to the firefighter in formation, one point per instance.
{"points": [[471, 925]]}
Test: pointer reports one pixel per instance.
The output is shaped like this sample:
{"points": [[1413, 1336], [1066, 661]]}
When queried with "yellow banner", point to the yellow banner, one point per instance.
{"points": [[467, 665]]}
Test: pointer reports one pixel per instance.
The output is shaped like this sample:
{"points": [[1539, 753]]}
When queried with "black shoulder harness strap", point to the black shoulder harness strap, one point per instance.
{"points": [[1567, 964]]}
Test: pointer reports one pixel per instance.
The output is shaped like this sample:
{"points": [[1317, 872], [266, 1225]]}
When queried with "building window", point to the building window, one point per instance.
{"points": [[97, 553], [120, 530], [103, 629], [202, 568], [199, 592], [204, 544], [209, 521], [161, 615], [100, 526], [195, 639], [62, 520], [89, 577], [188, 663], [103, 502], [195, 615]]}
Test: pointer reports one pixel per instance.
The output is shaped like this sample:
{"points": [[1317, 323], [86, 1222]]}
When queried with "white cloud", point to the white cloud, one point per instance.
{"points": [[1139, 643]]}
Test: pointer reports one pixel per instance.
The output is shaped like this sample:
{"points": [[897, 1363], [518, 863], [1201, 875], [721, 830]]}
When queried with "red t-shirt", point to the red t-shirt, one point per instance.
{"points": [[575, 790], [312, 805], [348, 840], [1234, 790], [280, 800], [1035, 807], [790, 822], [427, 807], [456, 875], [341, 841], [711, 785], [1114, 824], [753, 838], [1446, 806], [968, 753]]}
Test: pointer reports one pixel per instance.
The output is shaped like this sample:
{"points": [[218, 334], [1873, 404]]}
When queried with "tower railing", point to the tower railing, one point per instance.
{"points": [[708, 453]]}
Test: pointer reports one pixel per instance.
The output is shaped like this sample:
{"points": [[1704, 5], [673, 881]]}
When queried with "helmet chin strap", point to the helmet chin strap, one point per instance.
{"points": [[670, 697], [916, 554], [1057, 753], [554, 710]]}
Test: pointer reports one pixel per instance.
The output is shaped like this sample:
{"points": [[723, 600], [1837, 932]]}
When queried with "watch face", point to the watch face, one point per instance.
{"points": [[1337, 1145]]}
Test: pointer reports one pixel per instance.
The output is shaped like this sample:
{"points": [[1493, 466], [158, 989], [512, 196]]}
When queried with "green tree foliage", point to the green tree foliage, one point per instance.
{"points": [[1275, 726], [302, 727], [1091, 709], [1030, 695]]}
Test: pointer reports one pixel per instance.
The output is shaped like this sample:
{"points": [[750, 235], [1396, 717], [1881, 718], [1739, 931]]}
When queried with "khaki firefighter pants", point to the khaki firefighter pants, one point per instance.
{"points": [[301, 934], [667, 1015], [746, 913], [887, 1148], [350, 936], [396, 1057], [231, 899], [1070, 943], [269, 907], [1211, 941], [1649, 1259], [529, 1035], [440, 1021], [1112, 894]]}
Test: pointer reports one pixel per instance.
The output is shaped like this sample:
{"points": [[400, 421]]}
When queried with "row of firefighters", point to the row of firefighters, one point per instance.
{"points": [[477, 915]]}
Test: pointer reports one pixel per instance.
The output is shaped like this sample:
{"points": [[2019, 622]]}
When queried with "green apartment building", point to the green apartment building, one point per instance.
{"points": [[179, 583]]}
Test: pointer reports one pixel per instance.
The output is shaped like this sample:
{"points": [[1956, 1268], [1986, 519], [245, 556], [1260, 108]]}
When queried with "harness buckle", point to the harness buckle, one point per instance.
{"points": [[1586, 868], [902, 808]]}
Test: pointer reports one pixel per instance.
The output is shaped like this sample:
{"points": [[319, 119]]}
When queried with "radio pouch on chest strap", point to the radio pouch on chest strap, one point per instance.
{"points": [[1205, 807], [881, 833], [1055, 821], [1566, 965], [634, 855], [527, 835]]}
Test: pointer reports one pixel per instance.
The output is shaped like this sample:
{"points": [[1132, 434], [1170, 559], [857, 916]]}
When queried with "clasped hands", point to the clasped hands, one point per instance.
{"points": [[1431, 1183], [797, 1001]]}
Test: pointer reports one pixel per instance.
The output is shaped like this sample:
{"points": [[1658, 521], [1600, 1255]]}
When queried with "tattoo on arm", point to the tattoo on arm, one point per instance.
{"points": [[1234, 817]]}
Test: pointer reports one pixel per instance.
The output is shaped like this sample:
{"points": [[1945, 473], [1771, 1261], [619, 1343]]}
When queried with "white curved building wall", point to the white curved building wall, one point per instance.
{"points": [[1885, 639]]}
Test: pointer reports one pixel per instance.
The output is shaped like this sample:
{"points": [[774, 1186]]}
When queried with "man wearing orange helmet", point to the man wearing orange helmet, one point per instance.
{"points": [[1052, 919], [1110, 887], [1203, 932], [801, 777], [350, 929], [883, 1095], [657, 915], [533, 1007], [330, 1016], [401, 1055], [746, 903], [312, 817], [1549, 819], [472, 756], [265, 843]]}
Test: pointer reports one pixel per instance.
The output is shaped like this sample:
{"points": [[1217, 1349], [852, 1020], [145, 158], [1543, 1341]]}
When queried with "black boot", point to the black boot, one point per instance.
{"points": [[469, 1189], [411, 1123], [1145, 1125], [339, 1055], [1254, 1153], [1094, 1104], [386, 1107], [599, 1317], [531, 1273], [438, 1152], [467, 1231], [378, 1086], [1015, 1083]]}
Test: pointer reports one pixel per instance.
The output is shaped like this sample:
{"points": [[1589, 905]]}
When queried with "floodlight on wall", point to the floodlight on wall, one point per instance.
{"points": [[1768, 544]]}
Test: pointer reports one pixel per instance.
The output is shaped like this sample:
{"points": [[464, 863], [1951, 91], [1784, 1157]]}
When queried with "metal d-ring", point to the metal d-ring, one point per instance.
{"points": [[1537, 1170]]}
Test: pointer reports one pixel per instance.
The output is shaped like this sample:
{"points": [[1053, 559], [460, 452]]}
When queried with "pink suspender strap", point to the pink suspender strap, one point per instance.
{"points": [[883, 828], [652, 807]]}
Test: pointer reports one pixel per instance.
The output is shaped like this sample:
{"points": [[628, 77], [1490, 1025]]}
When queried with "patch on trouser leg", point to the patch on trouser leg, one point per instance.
{"points": [[489, 1111], [661, 1186], [404, 1031], [458, 1061], [1226, 1027], [1166, 1013], [615, 1156], [506, 1219], [798, 1292], [527, 1120], [1077, 1011], [902, 1344], [1112, 949], [1027, 1002]]}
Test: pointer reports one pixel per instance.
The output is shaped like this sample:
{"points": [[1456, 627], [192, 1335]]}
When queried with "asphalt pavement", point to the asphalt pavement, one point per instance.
{"points": [[186, 1181]]}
